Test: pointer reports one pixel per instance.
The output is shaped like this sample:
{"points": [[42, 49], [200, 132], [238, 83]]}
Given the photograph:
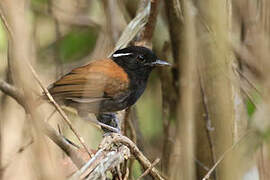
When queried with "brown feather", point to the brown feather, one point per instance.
{"points": [[92, 81]]}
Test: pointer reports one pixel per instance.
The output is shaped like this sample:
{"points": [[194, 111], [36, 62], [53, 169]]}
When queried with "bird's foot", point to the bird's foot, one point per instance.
{"points": [[108, 129], [108, 122]]}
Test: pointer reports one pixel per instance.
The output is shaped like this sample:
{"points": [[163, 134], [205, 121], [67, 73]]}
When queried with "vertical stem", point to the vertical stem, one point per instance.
{"points": [[183, 157], [59, 69], [264, 150], [173, 12], [219, 85]]}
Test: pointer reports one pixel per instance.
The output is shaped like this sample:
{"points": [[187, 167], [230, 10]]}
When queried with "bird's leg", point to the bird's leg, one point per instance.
{"points": [[110, 120], [104, 120]]}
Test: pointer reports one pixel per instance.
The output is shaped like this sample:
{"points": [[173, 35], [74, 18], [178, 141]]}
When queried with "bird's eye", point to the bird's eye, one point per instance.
{"points": [[141, 59]]}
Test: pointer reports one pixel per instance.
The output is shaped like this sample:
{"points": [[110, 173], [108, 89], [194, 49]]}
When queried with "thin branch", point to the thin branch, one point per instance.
{"points": [[249, 97], [106, 158], [127, 174], [207, 176], [118, 138], [247, 58], [118, 169], [50, 116], [11, 91], [100, 124], [21, 99], [69, 149], [84, 170], [208, 127], [202, 165], [25, 146], [248, 81], [133, 134], [5, 23], [49, 131], [132, 130], [111, 160], [62, 113], [59, 109], [125, 121], [148, 170]]}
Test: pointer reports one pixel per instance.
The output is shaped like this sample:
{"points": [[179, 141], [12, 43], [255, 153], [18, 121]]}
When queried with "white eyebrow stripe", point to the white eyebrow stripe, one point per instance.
{"points": [[121, 54]]}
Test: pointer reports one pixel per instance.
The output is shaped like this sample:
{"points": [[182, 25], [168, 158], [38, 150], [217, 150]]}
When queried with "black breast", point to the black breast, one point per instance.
{"points": [[125, 99], [138, 80]]}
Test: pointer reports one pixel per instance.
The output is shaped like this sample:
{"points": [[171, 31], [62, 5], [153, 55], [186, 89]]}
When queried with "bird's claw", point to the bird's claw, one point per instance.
{"points": [[108, 122]]}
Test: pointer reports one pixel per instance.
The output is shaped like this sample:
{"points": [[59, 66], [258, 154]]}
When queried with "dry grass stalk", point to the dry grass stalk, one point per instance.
{"points": [[183, 166], [219, 84]]}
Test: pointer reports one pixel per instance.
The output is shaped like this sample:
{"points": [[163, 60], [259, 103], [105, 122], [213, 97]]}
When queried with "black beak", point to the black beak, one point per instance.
{"points": [[159, 62]]}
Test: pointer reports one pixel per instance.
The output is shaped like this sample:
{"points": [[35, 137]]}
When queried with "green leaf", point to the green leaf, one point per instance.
{"points": [[250, 108], [77, 44]]}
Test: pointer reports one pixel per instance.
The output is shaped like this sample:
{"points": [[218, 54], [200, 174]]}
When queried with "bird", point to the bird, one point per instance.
{"points": [[108, 85]]}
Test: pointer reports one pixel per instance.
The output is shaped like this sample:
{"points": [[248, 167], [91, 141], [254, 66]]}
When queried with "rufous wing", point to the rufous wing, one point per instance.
{"points": [[90, 83]]}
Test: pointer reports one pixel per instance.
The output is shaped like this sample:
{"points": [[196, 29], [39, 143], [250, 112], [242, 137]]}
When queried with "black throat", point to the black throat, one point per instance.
{"points": [[138, 79], [137, 75], [137, 85]]}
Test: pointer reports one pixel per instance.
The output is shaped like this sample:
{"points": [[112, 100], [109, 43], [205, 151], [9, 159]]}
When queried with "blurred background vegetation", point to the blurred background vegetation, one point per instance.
{"points": [[212, 105]]}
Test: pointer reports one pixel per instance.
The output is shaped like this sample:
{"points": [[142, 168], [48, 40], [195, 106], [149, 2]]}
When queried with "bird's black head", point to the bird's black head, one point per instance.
{"points": [[137, 59]]}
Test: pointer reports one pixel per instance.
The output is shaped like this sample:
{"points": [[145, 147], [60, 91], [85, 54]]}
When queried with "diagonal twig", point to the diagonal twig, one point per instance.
{"points": [[148, 170], [224, 155], [48, 130], [59, 109], [11, 91], [62, 113]]}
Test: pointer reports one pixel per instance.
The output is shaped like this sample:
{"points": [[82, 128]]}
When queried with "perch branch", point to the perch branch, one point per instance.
{"points": [[105, 159], [111, 160], [118, 138], [114, 150]]}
